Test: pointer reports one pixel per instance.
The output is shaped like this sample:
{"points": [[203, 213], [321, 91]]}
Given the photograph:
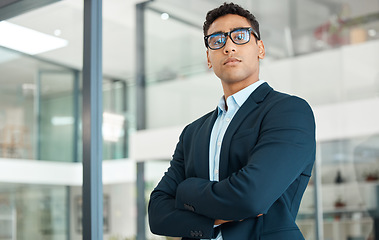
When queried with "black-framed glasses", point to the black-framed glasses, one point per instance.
{"points": [[239, 36]]}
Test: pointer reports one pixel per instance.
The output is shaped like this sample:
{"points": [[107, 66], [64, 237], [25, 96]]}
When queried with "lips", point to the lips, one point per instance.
{"points": [[231, 60]]}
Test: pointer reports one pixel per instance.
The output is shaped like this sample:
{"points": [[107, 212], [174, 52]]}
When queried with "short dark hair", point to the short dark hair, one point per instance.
{"points": [[230, 8]]}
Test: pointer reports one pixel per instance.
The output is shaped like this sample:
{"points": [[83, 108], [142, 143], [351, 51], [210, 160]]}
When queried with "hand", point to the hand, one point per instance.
{"points": [[219, 222]]}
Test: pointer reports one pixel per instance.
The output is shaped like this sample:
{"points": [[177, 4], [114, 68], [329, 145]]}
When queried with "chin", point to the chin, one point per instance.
{"points": [[233, 81], [234, 78]]}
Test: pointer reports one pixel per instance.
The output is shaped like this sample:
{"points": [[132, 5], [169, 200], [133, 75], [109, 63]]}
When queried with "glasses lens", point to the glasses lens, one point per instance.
{"points": [[240, 36], [216, 41]]}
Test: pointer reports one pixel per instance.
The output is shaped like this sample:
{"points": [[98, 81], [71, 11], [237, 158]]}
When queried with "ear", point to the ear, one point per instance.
{"points": [[261, 49], [208, 60]]}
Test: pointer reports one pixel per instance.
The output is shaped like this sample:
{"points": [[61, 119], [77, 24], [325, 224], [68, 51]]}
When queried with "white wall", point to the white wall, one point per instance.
{"points": [[346, 73]]}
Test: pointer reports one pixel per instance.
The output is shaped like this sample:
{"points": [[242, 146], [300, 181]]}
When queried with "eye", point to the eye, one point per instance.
{"points": [[239, 36], [216, 40]]}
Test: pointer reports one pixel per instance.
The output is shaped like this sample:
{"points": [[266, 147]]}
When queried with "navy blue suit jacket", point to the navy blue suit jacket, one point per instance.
{"points": [[266, 160]]}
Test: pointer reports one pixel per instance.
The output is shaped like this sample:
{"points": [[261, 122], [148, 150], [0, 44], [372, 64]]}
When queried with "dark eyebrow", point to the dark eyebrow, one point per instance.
{"points": [[216, 33], [239, 28], [229, 31]]}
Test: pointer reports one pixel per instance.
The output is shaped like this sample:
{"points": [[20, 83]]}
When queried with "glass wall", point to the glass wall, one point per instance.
{"points": [[177, 74], [38, 111], [33, 212], [349, 190], [304, 40], [115, 122], [28, 88], [350, 187], [40, 117], [41, 129]]}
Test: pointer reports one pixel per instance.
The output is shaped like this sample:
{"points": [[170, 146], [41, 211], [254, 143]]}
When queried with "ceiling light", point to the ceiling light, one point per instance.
{"points": [[372, 32], [27, 40], [113, 126], [165, 16], [28, 86], [62, 121]]}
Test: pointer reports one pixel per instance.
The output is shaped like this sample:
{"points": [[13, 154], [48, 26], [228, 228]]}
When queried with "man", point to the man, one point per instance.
{"points": [[240, 171]]}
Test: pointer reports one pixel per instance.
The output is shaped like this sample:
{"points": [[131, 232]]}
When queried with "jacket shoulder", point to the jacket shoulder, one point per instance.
{"points": [[200, 121], [275, 97]]}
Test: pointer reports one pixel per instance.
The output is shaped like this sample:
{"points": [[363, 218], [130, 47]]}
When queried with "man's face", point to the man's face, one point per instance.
{"points": [[235, 64]]}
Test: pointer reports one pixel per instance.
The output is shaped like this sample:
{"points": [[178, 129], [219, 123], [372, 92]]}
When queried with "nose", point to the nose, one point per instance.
{"points": [[230, 46]]}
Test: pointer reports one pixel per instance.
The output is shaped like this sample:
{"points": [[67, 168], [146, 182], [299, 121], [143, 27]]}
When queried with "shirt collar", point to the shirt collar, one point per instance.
{"points": [[241, 96]]}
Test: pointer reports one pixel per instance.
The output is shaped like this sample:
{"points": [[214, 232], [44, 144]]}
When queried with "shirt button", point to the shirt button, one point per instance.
{"points": [[218, 143], [216, 171], [228, 119]]}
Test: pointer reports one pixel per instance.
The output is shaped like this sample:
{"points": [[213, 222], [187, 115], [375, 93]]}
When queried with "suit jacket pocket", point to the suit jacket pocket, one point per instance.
{"points": [[283, 234]]}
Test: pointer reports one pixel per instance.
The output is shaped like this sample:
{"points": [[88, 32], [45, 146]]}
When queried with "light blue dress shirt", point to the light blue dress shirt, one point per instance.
{"points": [[234, 102]]}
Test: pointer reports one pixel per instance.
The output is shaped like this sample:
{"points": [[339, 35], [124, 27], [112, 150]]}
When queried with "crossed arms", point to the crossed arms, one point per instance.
{"points": [[284, 148]]}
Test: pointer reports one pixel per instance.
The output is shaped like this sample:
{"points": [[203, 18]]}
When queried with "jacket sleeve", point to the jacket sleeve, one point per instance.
{"points": [[285, 147], [164, 218]]}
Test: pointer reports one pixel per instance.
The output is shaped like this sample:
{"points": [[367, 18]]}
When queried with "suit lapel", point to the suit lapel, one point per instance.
{"points": [[201, 153], [247, 108]]}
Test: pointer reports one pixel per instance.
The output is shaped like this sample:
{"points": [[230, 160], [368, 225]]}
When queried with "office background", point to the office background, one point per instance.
{"points": [[325, 51]]}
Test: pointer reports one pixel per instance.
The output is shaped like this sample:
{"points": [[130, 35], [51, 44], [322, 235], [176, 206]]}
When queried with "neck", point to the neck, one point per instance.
{"points": [[230, 89]]}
